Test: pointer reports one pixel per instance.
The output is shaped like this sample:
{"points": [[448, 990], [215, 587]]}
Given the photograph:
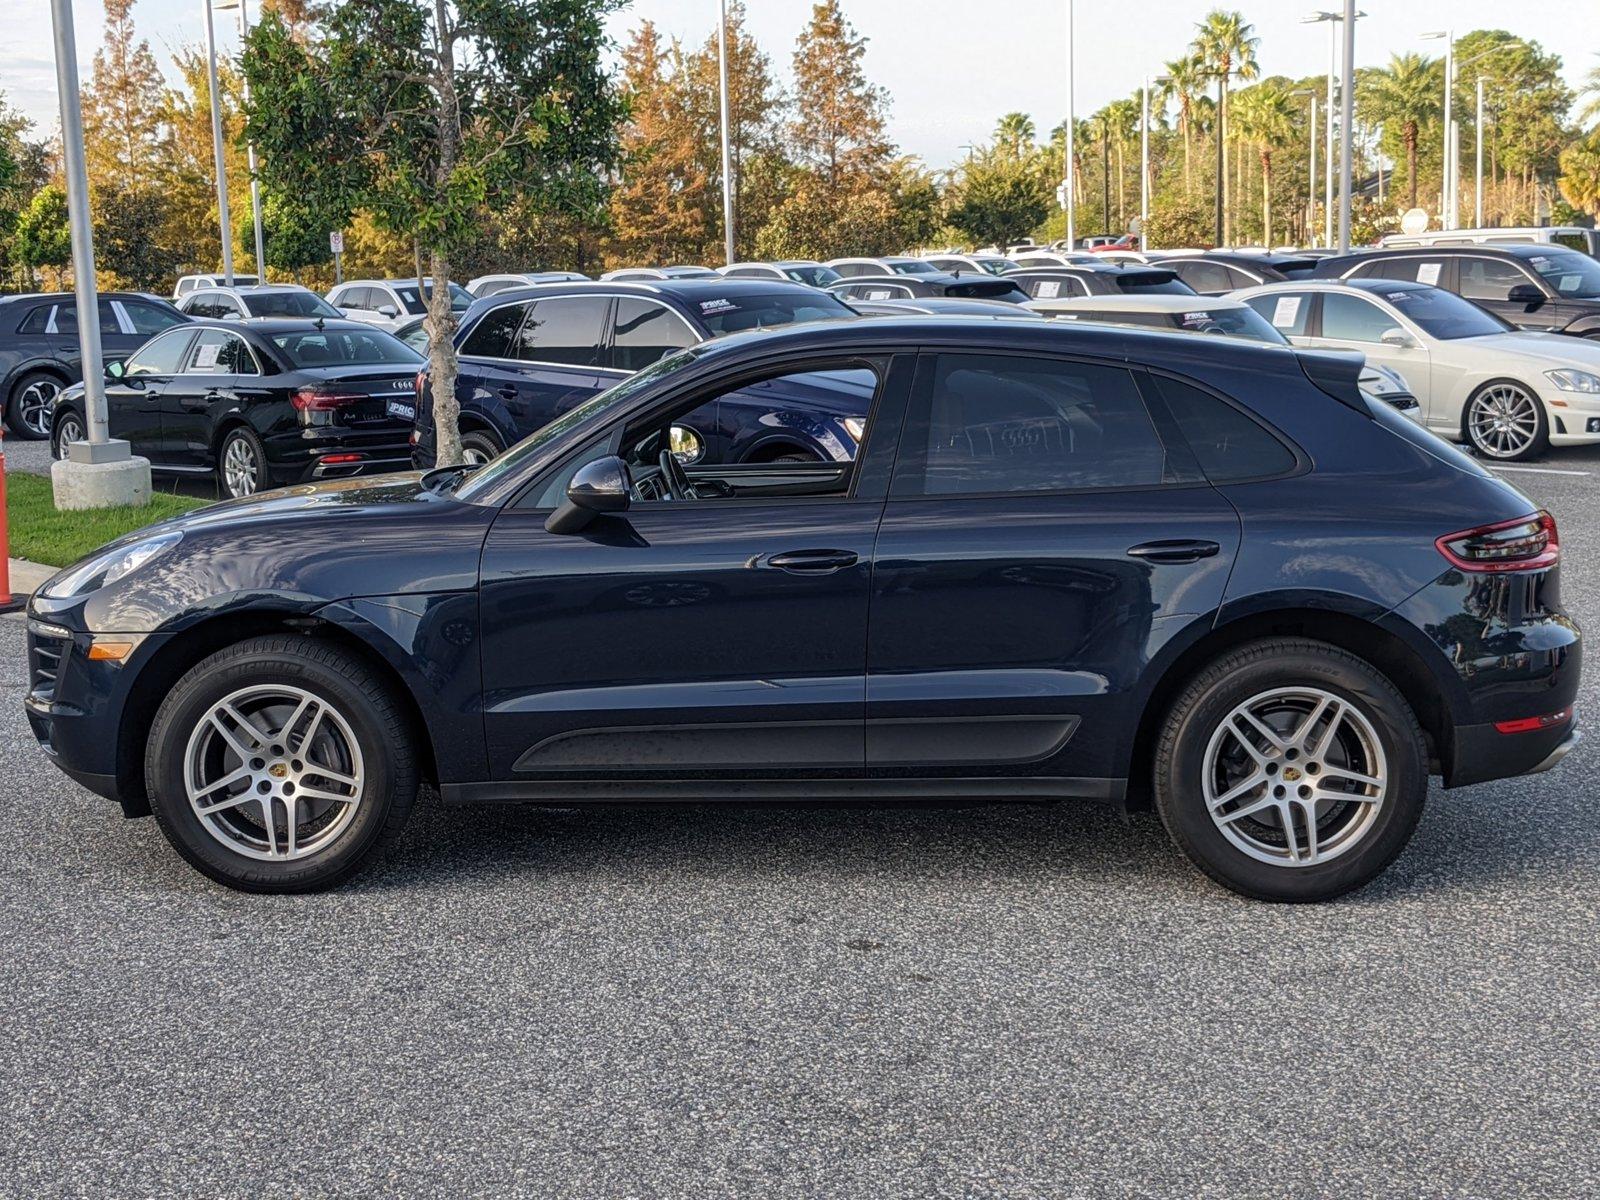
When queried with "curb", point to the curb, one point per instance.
{"points": [[26, 577]]}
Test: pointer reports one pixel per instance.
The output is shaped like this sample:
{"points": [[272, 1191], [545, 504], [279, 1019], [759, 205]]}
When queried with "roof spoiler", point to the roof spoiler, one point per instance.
{"points": [[1337, 373]]}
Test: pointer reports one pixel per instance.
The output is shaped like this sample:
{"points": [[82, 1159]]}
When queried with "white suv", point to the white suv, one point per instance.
{"points": [[390, 303]]}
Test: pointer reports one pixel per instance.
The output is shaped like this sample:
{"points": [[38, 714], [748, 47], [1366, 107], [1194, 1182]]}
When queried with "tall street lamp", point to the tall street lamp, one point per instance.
{"points": [[1067, 180], [1311, 166], [1450, 205], [1477, 124], [250, 146], [1333, 19], [1347, 117], [216, 146], [727, 154]]}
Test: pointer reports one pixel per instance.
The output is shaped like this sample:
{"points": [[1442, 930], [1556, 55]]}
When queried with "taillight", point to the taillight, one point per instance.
{"points": [[1534, 724], [1524, 544], [316, 399], [420, 382]]}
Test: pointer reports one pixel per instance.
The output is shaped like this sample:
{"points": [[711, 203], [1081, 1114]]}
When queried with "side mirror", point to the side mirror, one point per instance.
{"points": [[116, 371], [1398, 338], [602, 486], [388, 310], [1525, 293]]}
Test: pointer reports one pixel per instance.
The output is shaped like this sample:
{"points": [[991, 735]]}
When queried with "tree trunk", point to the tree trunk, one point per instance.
{"points": [[1411, 164], [440, 322], [1186, 137], [1266, 199]]}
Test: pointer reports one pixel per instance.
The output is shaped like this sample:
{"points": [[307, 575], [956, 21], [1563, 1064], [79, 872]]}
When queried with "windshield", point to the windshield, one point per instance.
{"points": [[508, 463], [1443, 314], [816, 277], [1242, 322], [344, 348], [997, 266], [1570, 273], [460, 299], [732, 314], [290, 304], [912, 266]]}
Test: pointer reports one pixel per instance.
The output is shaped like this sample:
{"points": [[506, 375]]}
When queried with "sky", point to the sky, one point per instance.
{"points": [[951, 67]]}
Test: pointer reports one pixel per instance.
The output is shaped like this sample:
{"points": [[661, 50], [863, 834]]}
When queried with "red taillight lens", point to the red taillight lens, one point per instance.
{"points": [[333, 459], [420, 382], [1530, 724], [315, 399], [1523, 544]]}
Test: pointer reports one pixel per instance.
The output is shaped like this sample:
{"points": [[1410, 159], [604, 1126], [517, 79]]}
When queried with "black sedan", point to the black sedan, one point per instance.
{"points": [[1218, 272], [1097, 279], [932, 283], [260, 404]]}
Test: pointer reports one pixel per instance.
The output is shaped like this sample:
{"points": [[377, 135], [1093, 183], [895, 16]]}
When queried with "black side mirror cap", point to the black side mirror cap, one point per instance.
{"points": [[1525, 293], [602, 486]]}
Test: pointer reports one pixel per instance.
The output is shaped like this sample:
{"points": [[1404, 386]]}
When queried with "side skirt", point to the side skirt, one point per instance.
{"points": [[698, 791]]}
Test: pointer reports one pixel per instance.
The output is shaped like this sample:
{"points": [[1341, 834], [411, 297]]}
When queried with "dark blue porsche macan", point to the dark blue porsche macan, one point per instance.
{"points": [[1196, 574]]}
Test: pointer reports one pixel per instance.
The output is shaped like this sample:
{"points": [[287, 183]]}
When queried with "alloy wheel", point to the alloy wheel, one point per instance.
{"points": [[1503, 421], [472, 456], [68, 430], [1295, 776], [34, 404], [239, 467], [273, 772]]}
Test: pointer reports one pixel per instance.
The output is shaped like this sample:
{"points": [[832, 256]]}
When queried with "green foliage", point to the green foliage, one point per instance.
{"points": [[127, 241], [1180, 220], [1000, 197], [42, 237]]}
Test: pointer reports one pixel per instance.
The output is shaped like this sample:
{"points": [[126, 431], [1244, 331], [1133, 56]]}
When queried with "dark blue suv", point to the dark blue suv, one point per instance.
{"points": [[529, 355], [1200, 574]]}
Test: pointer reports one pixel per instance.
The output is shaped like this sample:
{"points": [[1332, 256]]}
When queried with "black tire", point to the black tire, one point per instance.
{"points": [[363, 700], [67, 427], [28, 393], [1236, 678], [1538, 445], [477, 442], [243, 437]]}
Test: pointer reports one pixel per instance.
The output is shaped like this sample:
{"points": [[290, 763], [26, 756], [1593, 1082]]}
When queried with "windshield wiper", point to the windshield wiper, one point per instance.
{"points": [[444, 480]]}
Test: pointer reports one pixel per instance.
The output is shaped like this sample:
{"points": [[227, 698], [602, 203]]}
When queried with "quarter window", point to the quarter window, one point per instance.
{"points": [[646, 331], [1004, 424], [1229, 445], [565, 330]]}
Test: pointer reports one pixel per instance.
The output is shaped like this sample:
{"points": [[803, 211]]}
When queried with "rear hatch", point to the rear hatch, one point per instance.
{"points": [[980, 288]]}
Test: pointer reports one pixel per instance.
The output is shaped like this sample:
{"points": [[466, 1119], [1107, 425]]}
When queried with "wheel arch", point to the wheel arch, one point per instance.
{"points": [[184, 649], [34, 366], [1373, 642], [1489, 381]]}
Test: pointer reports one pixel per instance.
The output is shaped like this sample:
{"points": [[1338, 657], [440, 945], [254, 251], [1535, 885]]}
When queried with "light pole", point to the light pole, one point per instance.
{"points": [[727, 155], [1311, 167], [1067, 175], [216, 146], [250, 146], [1333, 19], [1347, 113], [1449, 217], [97, 471], [1144, 158]]}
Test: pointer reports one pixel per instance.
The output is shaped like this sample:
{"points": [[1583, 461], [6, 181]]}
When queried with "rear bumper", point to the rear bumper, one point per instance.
{"points": [[324, 453], [1483, 753]]}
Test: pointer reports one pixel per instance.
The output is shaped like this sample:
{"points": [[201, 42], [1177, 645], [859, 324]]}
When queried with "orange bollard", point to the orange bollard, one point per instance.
{"points": [[6, 601]]}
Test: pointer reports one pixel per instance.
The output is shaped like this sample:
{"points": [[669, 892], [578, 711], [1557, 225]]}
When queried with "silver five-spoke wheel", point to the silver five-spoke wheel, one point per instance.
{"points": [[273, 772], [1503, 421], [240, 470], [1294, 776]]}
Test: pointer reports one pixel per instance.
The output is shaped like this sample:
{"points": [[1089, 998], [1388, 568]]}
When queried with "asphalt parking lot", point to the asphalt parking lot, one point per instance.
{"points": [[808, 1001]]}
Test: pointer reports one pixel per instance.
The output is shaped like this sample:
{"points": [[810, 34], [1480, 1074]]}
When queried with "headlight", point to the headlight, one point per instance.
{"points": [[108, 566], [855, 427], [1575, 381]]}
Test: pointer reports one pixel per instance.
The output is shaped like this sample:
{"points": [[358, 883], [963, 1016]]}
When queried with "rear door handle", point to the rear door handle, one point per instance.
{"points": [[810, 562], [1175, 551]]}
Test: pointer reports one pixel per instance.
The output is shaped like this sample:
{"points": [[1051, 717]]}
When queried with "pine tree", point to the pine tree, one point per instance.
{"points": [[122, 107], [840, 118]]}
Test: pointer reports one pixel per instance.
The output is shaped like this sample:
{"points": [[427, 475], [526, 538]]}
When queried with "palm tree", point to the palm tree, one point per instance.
{"points": [[1014, 132], [1265, 118], [1580, 175], [1185, 84], [1225, 43], [1122, 118], [1404, 96], [1590, 87]]}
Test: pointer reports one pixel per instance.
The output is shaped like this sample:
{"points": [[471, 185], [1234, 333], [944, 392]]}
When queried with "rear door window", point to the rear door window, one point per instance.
{"points": [[1204, 276], [1287, 312], [150, 318]]}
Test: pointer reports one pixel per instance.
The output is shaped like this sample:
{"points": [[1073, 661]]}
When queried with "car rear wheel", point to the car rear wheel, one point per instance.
{"points": [[29, 407], [1290, 770], [67, 428], [241, 464], [1505, 421], [281, 764], [478, 448]]}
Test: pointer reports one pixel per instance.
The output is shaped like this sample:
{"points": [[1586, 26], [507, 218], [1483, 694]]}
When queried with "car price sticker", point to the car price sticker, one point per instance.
{"points": [[1569, 283], [1539, 262], [1428, 273], [880, 294], [206, 357], [399, 408], [1195, 318], [1285, 311], [1048, 290], [720, 304]]}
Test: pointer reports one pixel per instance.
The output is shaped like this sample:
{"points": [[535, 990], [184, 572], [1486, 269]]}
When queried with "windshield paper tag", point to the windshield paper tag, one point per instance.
{"points": [[1285, 311], [1049, 289], [1428, 273]]}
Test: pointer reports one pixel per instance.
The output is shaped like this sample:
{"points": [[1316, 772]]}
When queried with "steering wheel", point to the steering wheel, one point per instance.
{"points": [[674, 477]]}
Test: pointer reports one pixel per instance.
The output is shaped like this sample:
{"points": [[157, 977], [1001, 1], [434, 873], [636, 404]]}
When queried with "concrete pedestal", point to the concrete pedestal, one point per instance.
{"points": [[100, 484]]}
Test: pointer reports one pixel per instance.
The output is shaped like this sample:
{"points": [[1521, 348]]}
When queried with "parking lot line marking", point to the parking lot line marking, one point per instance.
{"points": [[1539, 470]]}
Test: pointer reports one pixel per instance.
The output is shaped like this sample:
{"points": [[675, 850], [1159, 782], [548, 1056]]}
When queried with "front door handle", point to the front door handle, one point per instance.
{"points": [[810, 562], [1175, 551]]}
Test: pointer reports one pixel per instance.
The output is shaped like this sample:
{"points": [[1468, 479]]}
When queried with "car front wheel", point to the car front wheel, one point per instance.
{"points": [[1290, 770], [1506, 421], [280, 764]]}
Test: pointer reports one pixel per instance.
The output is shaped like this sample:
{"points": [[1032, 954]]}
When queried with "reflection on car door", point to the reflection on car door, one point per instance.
{"points": [[219, 376], [675, 639], [1347, 322], [133, 403], [1019, 657]]}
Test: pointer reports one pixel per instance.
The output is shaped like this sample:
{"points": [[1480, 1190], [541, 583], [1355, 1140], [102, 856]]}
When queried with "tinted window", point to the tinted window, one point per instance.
{"points": [[1204, 276], [1051, 289], [1489, 278], [290, 304], [227, 306], [1230, 445], [1352, 319], [1151, 283], [1430, 271], [1286, 312], [491, 336], [849, 270], [1243, 322], [645, 332], [160, 356], [1442, 314], [66, 319], [995, 423], [218, 352], [566, 330], [1568, 273], [150, 318], [1242, 278], [344, 347], [37, 319], [731, 314], [817, 277], [912, 266]]}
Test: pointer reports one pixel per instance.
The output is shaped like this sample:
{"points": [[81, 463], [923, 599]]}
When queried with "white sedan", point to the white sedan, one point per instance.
{"points": [[1511, 394]]}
